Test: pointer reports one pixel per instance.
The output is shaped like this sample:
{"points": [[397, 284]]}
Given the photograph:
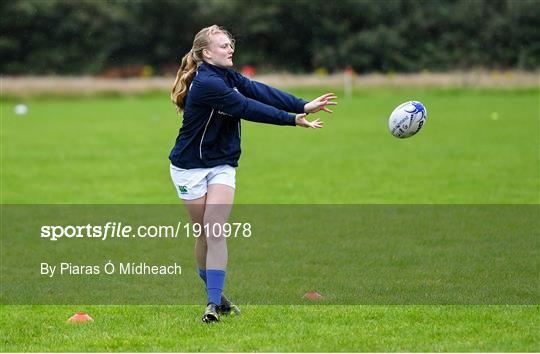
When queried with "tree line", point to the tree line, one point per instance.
{"points": [[93, 36]]}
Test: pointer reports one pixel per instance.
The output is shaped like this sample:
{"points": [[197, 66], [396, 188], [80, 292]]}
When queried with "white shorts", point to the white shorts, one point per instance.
{"points": [[193, 183]]}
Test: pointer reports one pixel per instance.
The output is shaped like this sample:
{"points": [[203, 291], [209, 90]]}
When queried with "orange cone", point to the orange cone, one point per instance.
{"points": [[80, 317], [313, 295]]}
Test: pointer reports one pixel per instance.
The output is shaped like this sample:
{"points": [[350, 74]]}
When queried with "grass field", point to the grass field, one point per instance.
{"points": [[114, 150], [275, 328], [477, 147]]}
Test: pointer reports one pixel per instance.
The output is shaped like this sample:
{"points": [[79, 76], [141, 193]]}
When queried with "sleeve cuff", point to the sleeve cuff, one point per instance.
{"points": [[292, 119], [301, 104]]}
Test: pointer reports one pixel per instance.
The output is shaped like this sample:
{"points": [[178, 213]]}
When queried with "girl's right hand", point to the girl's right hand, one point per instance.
{"points": [[303, 122]]}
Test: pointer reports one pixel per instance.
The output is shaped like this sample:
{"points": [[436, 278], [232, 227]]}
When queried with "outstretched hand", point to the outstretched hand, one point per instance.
{"points": [[321, 103], [318, 104], [303, 122]]}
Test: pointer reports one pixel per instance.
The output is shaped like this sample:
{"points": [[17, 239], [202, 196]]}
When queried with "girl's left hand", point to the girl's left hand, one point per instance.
{"points": [[303, 122], [321, 103]]}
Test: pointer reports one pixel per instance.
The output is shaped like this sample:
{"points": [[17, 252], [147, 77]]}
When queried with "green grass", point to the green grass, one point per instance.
{"points": [[114, 150], [274, 328]]}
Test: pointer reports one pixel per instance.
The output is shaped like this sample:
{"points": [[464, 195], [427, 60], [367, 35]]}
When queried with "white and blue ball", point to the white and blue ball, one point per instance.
{"points": [[407, 119]]}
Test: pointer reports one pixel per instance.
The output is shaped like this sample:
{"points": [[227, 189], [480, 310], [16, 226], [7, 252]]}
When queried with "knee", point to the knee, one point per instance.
{"points": [[215, 240]]}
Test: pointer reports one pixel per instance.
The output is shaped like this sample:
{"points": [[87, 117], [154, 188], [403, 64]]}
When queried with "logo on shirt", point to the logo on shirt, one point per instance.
{"points": [[225, 114], [182, 189]]}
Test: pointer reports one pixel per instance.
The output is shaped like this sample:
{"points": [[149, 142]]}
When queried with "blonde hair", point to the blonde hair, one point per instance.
{"points": [[190, 63]]}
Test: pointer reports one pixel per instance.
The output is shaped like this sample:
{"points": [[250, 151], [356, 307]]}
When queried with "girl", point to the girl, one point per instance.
{"points": [[214, 98]]}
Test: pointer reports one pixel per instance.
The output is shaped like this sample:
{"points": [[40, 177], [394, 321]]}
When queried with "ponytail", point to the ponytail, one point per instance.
{"points": [[184, 77]]}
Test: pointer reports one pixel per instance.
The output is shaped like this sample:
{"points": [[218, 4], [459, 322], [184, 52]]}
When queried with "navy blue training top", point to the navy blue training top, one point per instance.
{"points": [[217, 100]]}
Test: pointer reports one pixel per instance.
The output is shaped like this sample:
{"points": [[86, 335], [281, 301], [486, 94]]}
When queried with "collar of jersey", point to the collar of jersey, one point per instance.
{"points": [[216, 69]]}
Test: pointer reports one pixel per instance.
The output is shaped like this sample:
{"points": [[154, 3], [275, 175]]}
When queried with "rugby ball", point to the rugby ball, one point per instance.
{"points": [[407, 119]]}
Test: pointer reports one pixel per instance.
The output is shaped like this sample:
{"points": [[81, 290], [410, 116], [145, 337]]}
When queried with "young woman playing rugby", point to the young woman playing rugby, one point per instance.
{"points": [[214, 98]]}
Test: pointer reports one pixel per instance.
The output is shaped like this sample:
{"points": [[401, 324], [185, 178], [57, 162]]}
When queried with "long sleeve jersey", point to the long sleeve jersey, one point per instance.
{"points": [[217, 100]]}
